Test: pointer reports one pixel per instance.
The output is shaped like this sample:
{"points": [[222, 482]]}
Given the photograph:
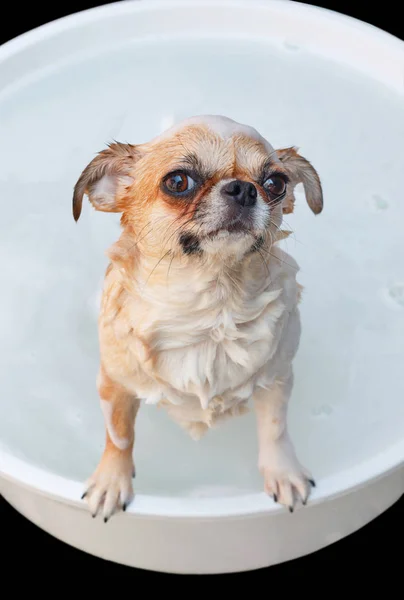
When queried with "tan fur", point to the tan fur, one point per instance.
{"points": [[198, 335], [110, 485], [300, 170]]}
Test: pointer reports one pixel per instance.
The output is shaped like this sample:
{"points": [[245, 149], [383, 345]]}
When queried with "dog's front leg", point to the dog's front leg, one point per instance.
{"points": [[284, 477], [110, 486]]}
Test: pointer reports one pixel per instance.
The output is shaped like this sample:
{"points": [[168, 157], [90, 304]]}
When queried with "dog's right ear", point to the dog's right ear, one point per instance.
{"points": [[108, 174]]}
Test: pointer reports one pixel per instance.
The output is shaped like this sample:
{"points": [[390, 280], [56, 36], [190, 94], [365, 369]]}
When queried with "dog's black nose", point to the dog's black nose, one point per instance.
{"points": [[242, 192]]}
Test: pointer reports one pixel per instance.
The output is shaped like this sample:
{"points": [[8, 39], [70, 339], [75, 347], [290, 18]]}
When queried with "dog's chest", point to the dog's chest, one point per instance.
{"points": [[214, 351]]}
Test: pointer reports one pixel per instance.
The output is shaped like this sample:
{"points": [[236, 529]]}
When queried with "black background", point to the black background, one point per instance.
{"points": [[372, 555]]}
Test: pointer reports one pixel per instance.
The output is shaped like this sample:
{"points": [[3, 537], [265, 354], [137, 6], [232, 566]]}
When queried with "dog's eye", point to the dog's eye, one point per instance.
{"points": [[178, 183], [275, 186]]}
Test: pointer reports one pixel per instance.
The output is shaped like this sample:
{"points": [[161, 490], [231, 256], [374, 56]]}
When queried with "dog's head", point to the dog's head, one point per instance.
{"points": [[208, 186]]}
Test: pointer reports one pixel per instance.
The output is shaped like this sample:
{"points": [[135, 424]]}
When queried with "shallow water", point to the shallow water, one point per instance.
{"points": [[347, 401]]}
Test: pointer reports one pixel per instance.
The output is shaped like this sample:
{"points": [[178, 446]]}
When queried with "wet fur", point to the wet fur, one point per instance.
{"points": [[196, 332]]}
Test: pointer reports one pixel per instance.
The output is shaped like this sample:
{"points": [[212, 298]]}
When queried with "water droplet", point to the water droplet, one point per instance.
{"points": [[291, 46], [393, 295], [379, 203], [325, 410], [396, 293]]}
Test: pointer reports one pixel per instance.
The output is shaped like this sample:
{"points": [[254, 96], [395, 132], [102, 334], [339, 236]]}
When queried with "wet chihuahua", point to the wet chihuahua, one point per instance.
{"points": [[199, 311]]}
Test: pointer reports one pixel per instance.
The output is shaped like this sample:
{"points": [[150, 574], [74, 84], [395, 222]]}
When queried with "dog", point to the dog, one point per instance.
{"points": [[199, 312]]}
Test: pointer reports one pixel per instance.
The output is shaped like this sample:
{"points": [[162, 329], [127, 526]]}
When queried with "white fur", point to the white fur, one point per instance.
{"points": [[213, 341], [223, 126], [103, 193], [107, 409]]}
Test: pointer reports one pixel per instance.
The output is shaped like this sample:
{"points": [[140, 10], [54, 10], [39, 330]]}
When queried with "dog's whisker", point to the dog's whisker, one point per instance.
{"points": [[156, 265], [138, 239], [278, 258], [178, 229], [169, 267], [259, 250]]}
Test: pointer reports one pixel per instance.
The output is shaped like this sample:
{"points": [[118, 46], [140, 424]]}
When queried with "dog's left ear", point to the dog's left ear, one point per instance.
{"points": [[301, 171], [105, 178]]}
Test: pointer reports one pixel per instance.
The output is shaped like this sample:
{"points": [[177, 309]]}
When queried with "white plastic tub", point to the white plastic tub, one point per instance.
{"points": [[303, 76]]}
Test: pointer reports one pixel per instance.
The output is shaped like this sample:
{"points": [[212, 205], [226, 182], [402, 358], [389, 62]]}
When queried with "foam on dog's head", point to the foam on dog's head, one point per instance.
{"points": [[222, 126]]}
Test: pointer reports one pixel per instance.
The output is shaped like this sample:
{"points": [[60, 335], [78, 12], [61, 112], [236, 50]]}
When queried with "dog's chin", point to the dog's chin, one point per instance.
{"points": [[230, 239], [237, 228], [233, 240]]}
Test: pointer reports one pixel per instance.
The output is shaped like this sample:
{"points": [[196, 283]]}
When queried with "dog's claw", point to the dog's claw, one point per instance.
{"points": [[110, 487], [84, 495], [285, 479], [312, 482]]}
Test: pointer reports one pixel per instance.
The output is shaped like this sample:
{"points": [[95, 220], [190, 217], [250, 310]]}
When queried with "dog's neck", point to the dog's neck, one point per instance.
{"points": [[179, 280]]}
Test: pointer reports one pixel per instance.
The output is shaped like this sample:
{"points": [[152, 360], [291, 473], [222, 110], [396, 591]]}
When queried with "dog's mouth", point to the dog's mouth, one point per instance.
{"points": [[192, 244], [235, 229], [241, 226]]}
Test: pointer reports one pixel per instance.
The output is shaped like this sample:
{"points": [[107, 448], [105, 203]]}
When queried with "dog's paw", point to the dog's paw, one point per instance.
{"points": [[110, 487], [284, 477]]}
